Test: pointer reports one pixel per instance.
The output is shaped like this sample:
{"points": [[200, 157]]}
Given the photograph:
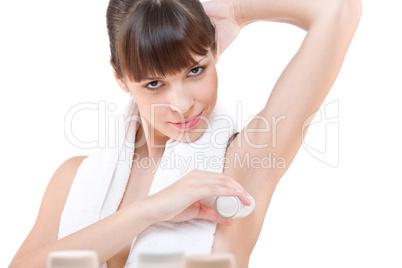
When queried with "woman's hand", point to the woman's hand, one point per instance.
{"points": [[181, 200], [223, 16]]}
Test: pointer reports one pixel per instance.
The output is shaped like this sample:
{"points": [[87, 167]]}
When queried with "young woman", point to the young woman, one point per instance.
{"points": [[174, 63]]}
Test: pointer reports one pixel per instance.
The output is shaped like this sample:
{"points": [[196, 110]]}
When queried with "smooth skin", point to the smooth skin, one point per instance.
{"points": [[298, 94], [165, 205]]}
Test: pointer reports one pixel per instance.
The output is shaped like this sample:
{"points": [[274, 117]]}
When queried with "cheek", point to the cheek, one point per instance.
{"points": [[207, 89], [153, 111], [144, 107]]}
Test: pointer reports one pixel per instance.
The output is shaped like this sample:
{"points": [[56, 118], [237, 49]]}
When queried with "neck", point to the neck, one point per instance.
{"points": [[149, 142]]}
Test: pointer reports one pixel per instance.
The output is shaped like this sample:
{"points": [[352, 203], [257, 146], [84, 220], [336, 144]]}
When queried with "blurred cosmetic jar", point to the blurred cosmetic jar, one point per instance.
{"points": [[161, 259], [73, 259], [214, 260]]}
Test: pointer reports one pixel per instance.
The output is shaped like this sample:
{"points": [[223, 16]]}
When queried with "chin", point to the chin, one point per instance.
{"points": [[192, 134]]}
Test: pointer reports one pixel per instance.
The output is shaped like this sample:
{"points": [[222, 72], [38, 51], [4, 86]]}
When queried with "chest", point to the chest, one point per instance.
{"points": [[138, 187]]}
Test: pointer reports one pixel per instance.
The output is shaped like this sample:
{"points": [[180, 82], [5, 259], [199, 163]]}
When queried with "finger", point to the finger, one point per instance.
{"points": [[208, 178], [227, 222], [216, 190], [211, 177], [245, 198], [209, 213]]}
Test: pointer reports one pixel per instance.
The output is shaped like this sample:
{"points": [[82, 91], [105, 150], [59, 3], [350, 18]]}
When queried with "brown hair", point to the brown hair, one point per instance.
{"points": [[157, 37]]}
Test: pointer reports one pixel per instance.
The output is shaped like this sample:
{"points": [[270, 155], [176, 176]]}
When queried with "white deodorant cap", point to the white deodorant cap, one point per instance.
{"points": [[73, 259], [229, 207]]}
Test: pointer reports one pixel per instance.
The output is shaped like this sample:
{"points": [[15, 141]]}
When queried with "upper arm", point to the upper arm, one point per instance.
{"points": [[279, 128], [45, 229], [263, 151]]}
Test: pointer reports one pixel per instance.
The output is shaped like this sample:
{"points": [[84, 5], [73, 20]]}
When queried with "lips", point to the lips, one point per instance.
{"points": [[188, 120], [189, 123]]}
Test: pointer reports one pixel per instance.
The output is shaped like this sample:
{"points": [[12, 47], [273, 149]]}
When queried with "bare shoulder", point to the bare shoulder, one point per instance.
{"points": [[45, 229]]}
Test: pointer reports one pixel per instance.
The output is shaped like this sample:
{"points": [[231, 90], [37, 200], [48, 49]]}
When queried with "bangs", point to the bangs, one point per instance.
{"points": [[161, 40]]}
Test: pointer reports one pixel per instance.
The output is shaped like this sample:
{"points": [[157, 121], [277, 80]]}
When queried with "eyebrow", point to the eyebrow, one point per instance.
{"points": [[191, 67]]}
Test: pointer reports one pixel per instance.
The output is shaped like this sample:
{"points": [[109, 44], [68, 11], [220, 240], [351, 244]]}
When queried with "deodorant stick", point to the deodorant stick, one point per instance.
{"points": [[230, 207], [73, 259]]}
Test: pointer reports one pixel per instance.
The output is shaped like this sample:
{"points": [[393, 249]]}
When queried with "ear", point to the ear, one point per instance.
{"points": [[217, 58], [119, 81], [217, 53]]}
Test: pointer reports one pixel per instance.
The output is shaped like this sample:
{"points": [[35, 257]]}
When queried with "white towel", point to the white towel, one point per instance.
{"points": [[100, 182]]}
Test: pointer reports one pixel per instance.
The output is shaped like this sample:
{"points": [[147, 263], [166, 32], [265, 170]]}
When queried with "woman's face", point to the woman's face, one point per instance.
{"points": [[168, 100]]}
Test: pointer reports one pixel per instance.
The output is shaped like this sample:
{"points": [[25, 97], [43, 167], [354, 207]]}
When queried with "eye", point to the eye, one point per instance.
{"points": [[197, 71], [154, 84], [200, 71]]}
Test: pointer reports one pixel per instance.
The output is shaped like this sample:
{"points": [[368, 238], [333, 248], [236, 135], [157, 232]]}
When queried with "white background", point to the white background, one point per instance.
{"points": [[54, 55]]}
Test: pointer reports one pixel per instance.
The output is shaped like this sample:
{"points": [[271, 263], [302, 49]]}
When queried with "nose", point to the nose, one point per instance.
{"points": [[181, 100]]}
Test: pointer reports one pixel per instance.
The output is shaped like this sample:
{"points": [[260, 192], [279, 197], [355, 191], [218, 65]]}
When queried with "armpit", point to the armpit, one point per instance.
{"points": [[232, 138]]}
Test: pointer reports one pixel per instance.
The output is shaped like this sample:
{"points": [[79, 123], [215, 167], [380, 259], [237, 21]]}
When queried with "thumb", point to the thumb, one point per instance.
{"points": [[209, 213]]}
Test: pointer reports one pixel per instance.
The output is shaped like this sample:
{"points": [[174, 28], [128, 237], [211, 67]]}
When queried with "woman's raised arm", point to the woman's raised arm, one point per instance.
{"points": [[278, 129], [302, 14], [305, 82]]}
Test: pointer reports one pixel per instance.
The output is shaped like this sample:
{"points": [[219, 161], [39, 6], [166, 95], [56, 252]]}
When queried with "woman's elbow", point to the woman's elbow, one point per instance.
{"points": [[347, 10]]}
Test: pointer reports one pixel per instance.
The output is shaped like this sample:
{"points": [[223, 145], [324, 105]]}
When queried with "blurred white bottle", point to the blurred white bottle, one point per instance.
{"points": [[215, 260], [73, 259], [175, 259], [230, 207]]}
